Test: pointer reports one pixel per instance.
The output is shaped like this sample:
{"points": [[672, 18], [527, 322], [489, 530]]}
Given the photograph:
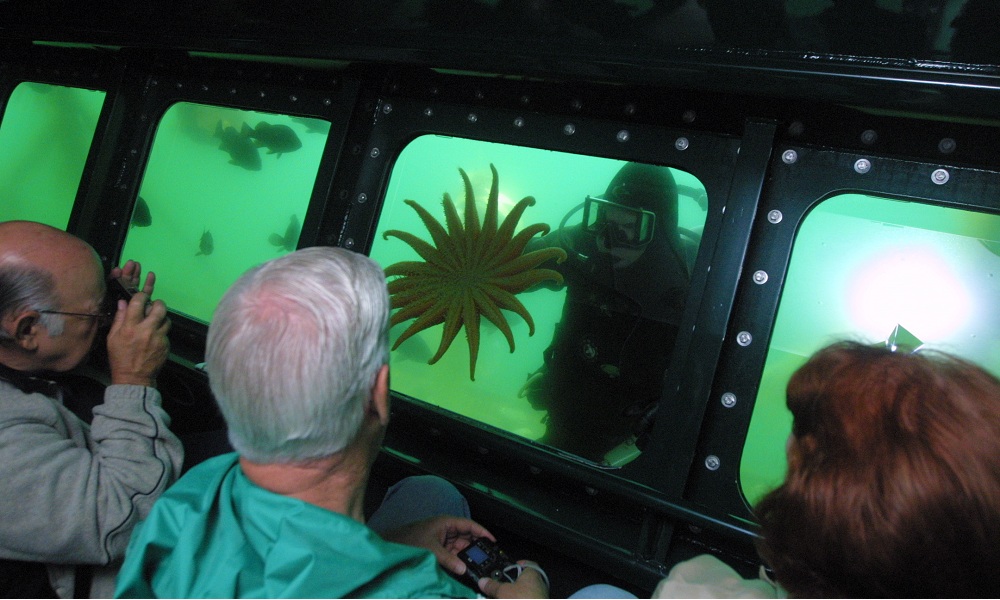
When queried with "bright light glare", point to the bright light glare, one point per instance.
{"points": [[913, 287]]}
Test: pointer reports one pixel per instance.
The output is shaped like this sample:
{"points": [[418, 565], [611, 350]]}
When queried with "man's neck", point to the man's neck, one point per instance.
{"points": [[336, 483]]}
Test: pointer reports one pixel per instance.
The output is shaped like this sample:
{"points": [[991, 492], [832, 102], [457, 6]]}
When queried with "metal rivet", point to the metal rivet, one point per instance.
{"points": [[293, 98], [789, 156], [232, 91], [947, 146], [519, 122], [434, 91], [480, 95], [729, 399], [327, 102], [682, 143], [774, 216], [623, 136], [760, 277], [569, 129], [204, 88], [525, 99], [362, 198], [576, 104], [868, 136], [744, 338], [373, 153], [428, 112], [387, 108], [940, 176], [472, 118], [712, 462], [262, 94], [630, 109], [349, 243], [688, 116], [862, 165]]}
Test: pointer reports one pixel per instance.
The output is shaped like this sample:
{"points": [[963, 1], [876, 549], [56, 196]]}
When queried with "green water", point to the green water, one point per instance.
{"points": [[45, 136], [861, 266], [559, 182], [192, 189]]}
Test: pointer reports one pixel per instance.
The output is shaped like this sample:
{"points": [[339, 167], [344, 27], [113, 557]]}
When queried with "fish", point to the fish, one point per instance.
{"points": [[140, 214], [291, 237], [242, 150], [277, 138], [207, 245]]}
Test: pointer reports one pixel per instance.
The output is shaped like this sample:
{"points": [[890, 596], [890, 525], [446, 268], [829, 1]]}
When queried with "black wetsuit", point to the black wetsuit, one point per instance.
{"points": [[604, 369]]}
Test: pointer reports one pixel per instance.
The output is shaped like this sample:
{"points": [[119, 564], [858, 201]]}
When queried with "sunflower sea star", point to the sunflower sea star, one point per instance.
{"points": [[472, 270]]}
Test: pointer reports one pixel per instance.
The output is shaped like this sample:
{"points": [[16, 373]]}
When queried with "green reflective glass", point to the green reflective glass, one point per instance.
{"points": [[224, 190], [512, 312], [45, 137], [879, 271]]}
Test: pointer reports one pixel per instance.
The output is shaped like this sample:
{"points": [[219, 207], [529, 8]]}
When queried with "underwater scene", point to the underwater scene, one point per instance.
{"points": [[878, 271], [495, 253], [45, 137], [224, 190]]}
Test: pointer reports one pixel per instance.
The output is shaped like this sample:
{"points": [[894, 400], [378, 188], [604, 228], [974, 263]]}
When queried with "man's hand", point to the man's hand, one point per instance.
{"points": [[528, 585], [137, 343], [130, 274], [444, 536]]}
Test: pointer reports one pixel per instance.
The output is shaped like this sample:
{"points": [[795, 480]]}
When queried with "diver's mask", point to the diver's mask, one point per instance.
{"points": [[621, 226]]}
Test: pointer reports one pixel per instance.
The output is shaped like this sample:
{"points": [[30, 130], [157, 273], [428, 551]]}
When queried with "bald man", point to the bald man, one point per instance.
{"points": [[70, 492]]}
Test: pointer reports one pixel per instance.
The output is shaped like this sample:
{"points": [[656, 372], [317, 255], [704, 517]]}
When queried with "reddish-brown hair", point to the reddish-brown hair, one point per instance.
{"points": [[893, 485]]}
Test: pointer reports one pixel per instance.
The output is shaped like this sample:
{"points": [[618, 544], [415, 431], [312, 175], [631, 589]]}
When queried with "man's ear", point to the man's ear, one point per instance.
{"points": [[23, 327], [380, 395]]}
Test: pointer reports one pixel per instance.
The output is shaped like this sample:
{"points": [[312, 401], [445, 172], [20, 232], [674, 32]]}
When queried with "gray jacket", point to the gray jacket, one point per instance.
{"points": [[70, 493]]}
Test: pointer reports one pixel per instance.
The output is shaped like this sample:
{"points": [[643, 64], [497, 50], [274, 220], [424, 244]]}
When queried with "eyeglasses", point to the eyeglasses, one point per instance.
{"points": [[102, 318]]}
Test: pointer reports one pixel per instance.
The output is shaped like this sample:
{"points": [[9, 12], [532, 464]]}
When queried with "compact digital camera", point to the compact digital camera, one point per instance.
{"points": [[485, 559]]}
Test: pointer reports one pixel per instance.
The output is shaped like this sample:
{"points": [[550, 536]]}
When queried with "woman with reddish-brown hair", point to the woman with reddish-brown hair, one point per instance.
{"points": [[893, 484]]}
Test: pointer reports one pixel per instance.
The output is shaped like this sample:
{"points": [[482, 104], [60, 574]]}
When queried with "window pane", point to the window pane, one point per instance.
{"points": [[875, 270], [603, 319], [224, 190], [45, 137]]}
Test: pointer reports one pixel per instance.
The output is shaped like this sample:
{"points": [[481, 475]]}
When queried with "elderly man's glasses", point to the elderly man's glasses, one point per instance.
{"points": [[103, 318]]}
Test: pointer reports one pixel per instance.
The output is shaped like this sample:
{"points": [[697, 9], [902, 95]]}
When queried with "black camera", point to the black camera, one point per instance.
{"points": [[485, 559]]}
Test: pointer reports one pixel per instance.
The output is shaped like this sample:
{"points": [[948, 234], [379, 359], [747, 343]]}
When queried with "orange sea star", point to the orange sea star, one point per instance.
{"points": [[472, 270]]}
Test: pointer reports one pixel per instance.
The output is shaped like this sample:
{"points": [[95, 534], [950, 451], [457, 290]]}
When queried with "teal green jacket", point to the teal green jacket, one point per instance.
{"points": [[214, 534]]}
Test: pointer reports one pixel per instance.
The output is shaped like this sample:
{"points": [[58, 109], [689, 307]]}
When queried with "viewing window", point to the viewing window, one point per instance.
{"points": [[45, 137], [510, 309], [878, 271], [224, 190]]}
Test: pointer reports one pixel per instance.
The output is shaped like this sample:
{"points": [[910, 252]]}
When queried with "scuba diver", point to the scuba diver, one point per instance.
{"points": [[626, 278]]}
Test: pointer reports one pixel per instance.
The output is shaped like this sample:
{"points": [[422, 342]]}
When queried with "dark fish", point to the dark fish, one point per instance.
{"points": [[206, 246], [313, 125], [277, 138], [140, 214], [242, 150], [291, 237]]}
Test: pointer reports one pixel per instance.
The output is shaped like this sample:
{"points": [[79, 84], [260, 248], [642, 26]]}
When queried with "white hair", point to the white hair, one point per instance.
{"points": [[24, 286], [293, 351]]}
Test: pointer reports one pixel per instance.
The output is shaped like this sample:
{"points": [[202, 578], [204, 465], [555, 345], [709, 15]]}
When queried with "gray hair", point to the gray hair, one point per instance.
{"points": [[26, 287], [293, 351]]}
